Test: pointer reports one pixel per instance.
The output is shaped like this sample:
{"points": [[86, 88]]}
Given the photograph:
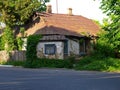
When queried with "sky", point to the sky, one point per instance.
{"points": [[86, 8]]}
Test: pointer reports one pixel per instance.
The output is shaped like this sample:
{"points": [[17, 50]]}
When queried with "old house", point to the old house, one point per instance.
{"points": [[63, 35]]}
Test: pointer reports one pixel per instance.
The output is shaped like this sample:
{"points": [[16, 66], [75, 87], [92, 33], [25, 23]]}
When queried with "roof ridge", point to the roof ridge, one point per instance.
{"points": [[49, 14]]}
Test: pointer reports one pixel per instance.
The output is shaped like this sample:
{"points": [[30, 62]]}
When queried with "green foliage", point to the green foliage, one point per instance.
{"points": [[1, 46], [43, 6], [17, 12], [20, 43], [8, 39], [98, 64], [103, 48], [11, 43], [14, 63], [51, 63], [111, 7], [32, 42], [112, 24], [81, 41], [97, 22], [43, 62], [22, 31]]}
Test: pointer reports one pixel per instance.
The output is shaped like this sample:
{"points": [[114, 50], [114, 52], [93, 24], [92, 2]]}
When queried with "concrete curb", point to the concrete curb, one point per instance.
{"points": [[6, 66]]}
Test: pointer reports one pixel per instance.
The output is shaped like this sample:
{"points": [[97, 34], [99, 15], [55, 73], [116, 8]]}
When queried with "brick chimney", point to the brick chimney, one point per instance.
{"points": [[49, 9], [70, 11]]}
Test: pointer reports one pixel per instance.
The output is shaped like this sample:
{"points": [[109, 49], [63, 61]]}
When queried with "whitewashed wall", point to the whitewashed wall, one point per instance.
{"points": [[73, 47], [59, 50]]}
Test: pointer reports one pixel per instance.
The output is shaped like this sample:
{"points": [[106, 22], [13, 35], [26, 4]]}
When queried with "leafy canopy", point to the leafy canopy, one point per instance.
{"points": [[112, 24], [17, 12]]}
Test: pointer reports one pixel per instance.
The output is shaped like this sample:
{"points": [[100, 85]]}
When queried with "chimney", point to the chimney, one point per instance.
{"points": [[70, 11], [49, 9]]}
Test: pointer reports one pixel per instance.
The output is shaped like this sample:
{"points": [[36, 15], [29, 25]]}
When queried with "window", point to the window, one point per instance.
{"points": [[82, 47], [50, 49]]}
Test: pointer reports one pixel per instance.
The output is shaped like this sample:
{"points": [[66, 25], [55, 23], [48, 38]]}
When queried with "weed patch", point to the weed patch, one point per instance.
{"points": [[98, 64]]}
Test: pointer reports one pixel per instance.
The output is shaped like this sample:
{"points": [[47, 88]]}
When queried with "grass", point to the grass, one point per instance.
{"points": [[14, 63], [99, 64], [93, 63]]}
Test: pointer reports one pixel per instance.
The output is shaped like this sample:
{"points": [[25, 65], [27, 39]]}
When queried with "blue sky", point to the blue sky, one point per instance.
{"points": [[86, 8]]}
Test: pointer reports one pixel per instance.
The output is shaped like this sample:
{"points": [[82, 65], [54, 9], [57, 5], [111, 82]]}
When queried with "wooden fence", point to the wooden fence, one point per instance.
{"points": [[13, 55]]}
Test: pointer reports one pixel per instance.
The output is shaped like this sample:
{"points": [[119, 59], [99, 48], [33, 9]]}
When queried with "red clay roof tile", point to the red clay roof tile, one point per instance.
{"points": [[64, 24]]}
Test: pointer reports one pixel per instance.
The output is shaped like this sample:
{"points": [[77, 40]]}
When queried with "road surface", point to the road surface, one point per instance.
{"points": [[12, 78]]}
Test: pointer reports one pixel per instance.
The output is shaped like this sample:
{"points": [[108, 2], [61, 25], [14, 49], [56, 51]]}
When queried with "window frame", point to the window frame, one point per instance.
{"points": [[48, 46]]}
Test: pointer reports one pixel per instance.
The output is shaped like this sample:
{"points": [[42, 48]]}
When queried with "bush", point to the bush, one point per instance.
{"points": [[98, 64], [19, 43], [32, 41], [104, 50], [51, 63], [14, 63], [8, 39], [103, 47]]}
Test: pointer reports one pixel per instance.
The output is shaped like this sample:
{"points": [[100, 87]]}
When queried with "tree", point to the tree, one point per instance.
{"points": [[112, 27], [17, 12]]}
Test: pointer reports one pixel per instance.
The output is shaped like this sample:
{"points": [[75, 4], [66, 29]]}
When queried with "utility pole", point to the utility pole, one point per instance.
{"points": [[57, 6]]}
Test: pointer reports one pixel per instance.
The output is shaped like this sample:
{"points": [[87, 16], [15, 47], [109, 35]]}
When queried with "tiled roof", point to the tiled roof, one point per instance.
{"points": [[73, 25]]}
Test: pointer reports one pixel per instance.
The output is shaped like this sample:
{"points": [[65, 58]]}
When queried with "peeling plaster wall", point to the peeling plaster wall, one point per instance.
{"points": [[73, 47], [58, 54]]}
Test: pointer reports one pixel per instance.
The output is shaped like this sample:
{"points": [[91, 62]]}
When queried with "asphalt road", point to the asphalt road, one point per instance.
{"points": [[57, 79]]}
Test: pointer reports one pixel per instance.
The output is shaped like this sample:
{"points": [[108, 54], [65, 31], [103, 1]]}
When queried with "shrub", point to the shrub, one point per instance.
{"points": [[103, 47], [104, 50], [8, 39], [98, 64], [94, 66], [14, 63], [51, 63], [32, 42], [19, 43]]}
